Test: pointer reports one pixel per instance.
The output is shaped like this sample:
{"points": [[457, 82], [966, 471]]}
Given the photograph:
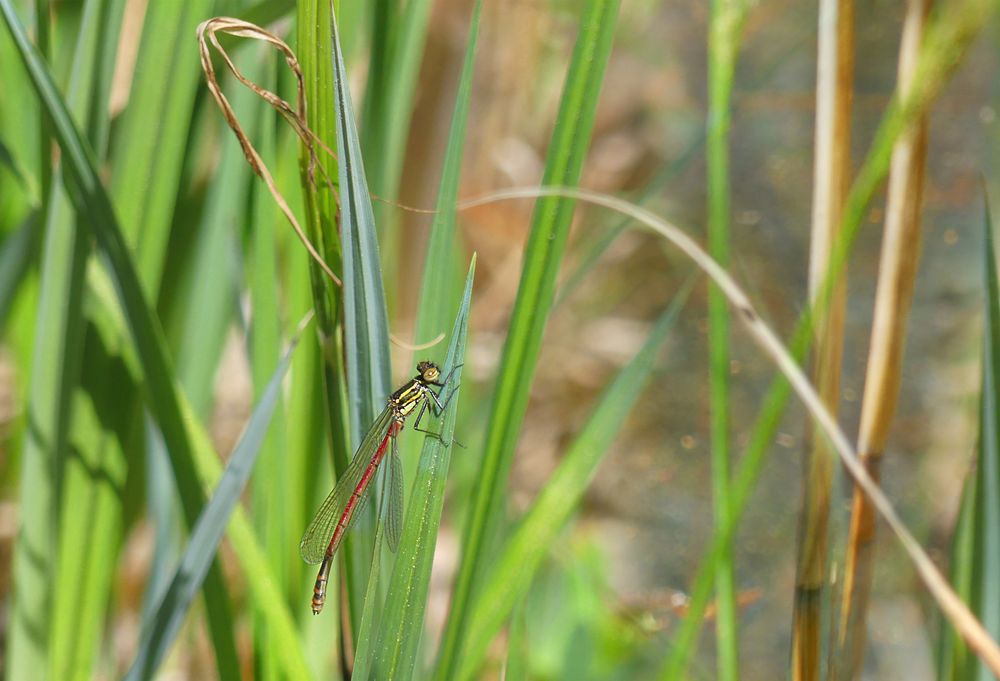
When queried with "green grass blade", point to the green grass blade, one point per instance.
{"points": [[208, 530], [372, 612], [385, 17], [38, 642], [543, 256], [19, 129], [152, 137], [724, 29], [105, 54], [91, 200], [314, 26], [92, 518], [399, 33], [366, 325], [207, 296], [95, 475], [954, 658], [976, 562], [271, 497], [437, 286], [403, 621], [507, 583], [305, 418]]}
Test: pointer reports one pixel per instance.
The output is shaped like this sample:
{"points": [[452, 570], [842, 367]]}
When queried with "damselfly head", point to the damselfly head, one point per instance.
{"points": [[428, 371]]}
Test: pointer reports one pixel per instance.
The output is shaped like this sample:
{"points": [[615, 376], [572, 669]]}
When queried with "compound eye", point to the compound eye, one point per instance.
{"points": [[431, 373]]}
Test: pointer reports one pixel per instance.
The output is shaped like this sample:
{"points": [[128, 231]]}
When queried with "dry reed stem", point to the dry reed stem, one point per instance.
{"points": [[835, 70], [207, 33], [951, 604], [897, 274]]}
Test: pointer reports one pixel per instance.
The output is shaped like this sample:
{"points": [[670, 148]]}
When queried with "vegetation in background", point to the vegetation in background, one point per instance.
{"points": [[148, 279]]}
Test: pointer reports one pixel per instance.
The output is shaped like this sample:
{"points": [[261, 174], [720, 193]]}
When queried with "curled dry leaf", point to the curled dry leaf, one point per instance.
{"points": [[295, 116]]}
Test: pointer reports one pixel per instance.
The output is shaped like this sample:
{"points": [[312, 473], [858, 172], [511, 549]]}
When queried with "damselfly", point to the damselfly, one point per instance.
{"points": [[342, 506]]}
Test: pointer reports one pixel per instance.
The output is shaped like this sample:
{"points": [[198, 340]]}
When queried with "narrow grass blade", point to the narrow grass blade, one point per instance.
{"points": [[204, 541], [399, 33], [436, 287], [725, 25], [366, 325], [314, 26], [439, 284], [508, 581], [271, 495], [373, 605], [955, 661], [152, 137], [543, 256], [976, 565], [306, 452], [403, 620], [91, 200]]}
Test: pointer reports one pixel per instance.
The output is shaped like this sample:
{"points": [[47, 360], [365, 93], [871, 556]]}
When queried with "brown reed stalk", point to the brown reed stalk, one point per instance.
{"points": [[831, 172], [897, 272]]}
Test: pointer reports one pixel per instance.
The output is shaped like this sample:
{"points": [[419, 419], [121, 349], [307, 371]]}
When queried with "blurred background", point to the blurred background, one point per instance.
{"points": [[646, 519]]}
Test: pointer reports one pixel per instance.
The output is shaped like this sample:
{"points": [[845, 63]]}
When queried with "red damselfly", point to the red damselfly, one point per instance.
{"points": [[342, 505]]}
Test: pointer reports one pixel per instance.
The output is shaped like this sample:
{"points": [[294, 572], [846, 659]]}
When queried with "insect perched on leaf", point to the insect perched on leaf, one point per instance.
{"points": [[324, 534]]}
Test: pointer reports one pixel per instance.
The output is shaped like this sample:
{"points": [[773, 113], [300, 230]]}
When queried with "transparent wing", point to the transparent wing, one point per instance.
{"points": [[317, 537], [394, 514]]}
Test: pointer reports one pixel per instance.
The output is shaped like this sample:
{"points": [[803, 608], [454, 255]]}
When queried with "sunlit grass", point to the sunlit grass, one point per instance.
{"points": [[150, 273]]}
